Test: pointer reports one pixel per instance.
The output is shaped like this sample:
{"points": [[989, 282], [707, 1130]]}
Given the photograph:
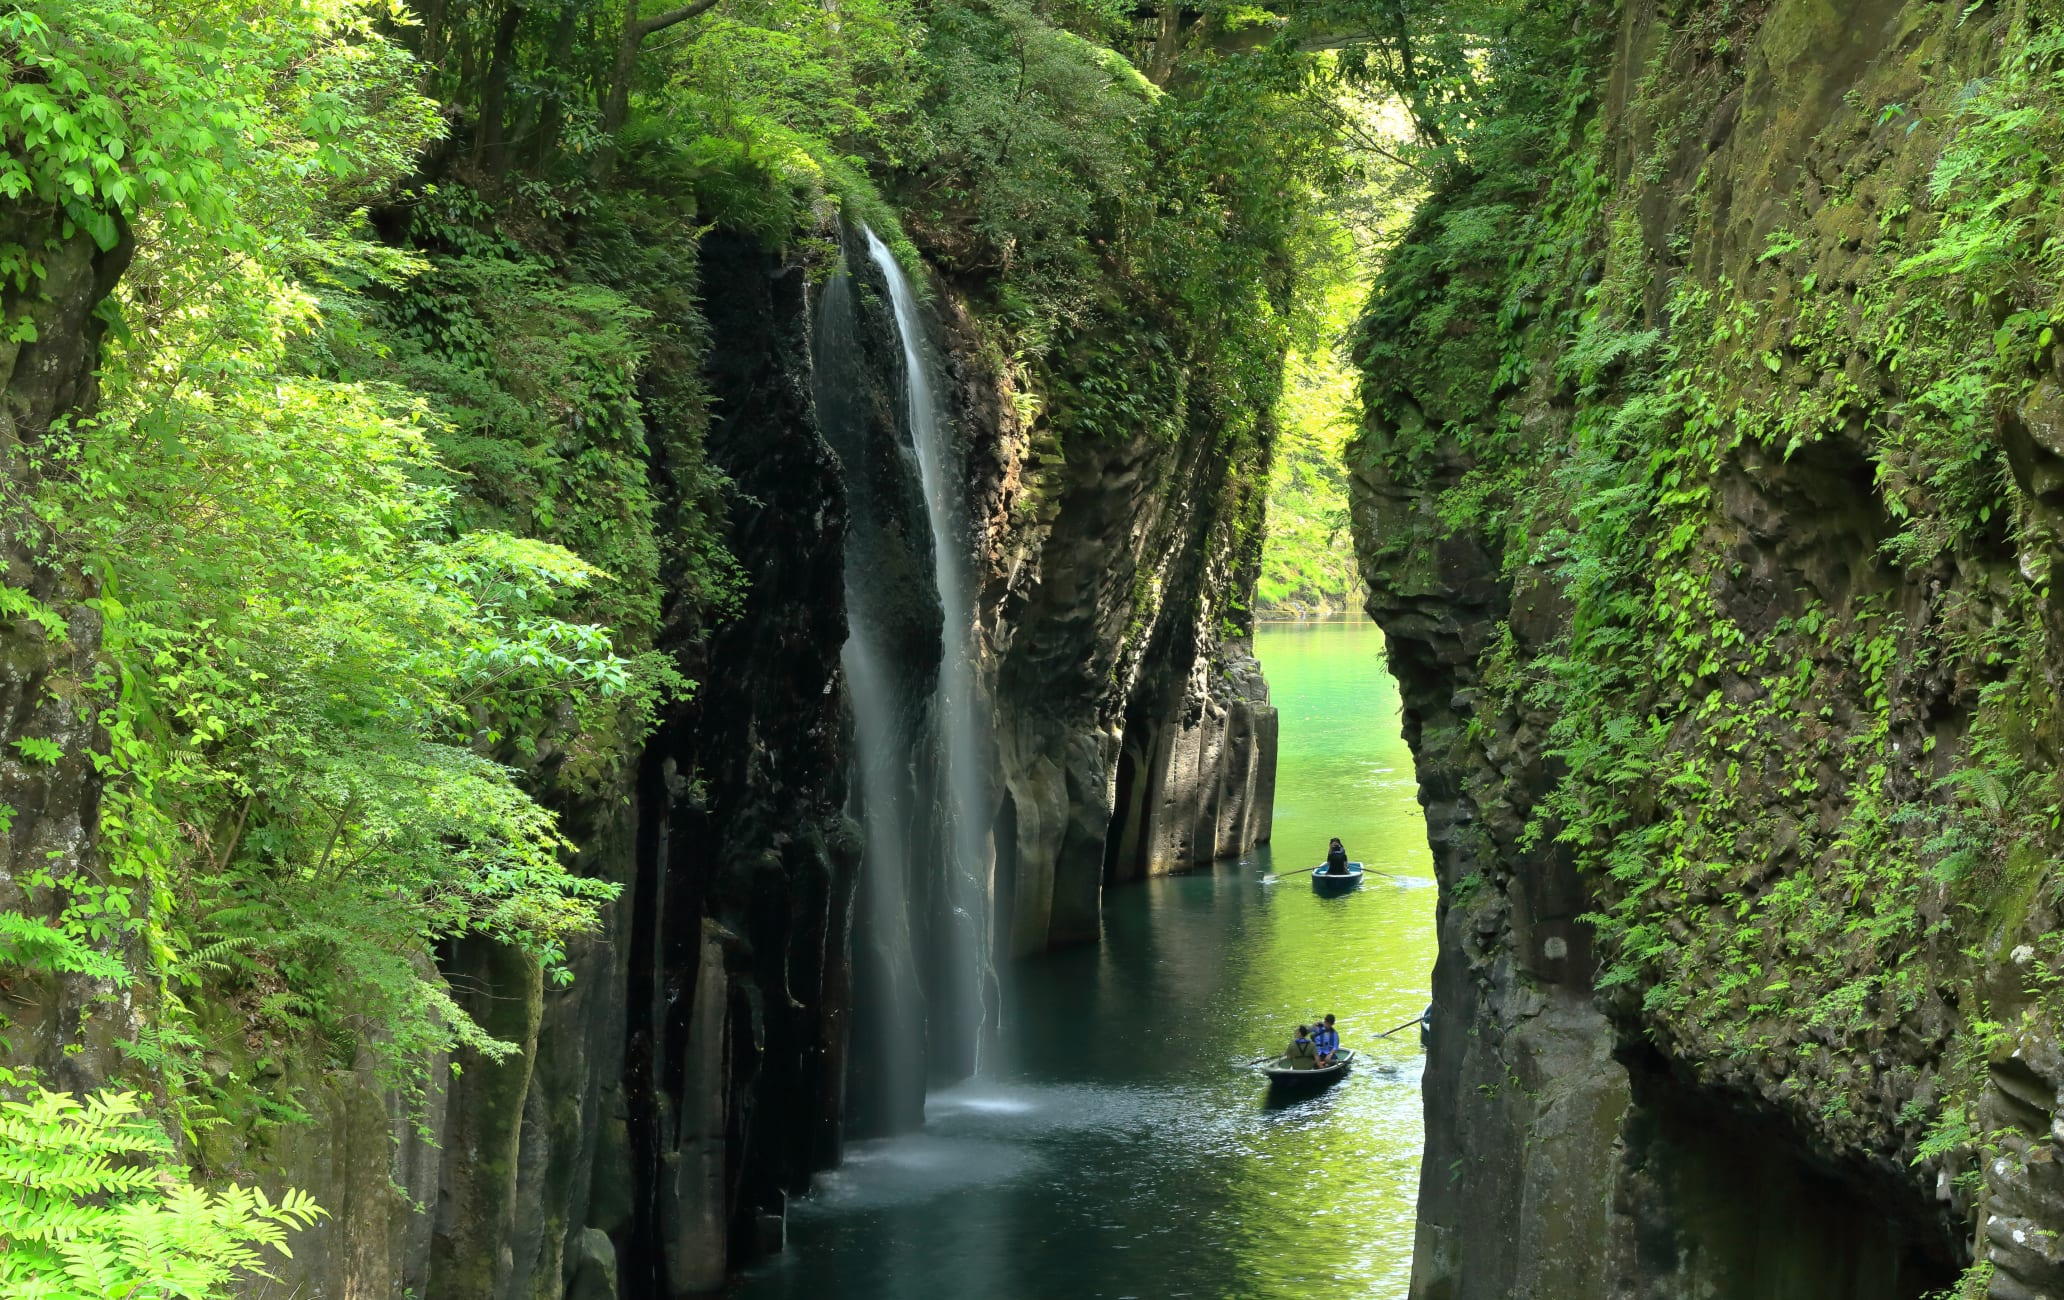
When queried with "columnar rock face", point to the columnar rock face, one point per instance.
{"points": [[739, 967], [1133, 730], [1201, 785], [1706, 1101], [663, 1106]]}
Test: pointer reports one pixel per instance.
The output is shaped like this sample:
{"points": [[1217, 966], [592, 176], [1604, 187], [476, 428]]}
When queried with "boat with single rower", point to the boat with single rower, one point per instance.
{"points": [[1329, 882]]}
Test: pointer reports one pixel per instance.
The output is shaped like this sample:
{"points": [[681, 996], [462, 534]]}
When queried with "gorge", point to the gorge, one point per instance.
{"points": [[637, 647]]}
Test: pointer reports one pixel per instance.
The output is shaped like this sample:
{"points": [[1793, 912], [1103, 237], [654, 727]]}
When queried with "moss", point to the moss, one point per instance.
{"points": [[1748, 445]]}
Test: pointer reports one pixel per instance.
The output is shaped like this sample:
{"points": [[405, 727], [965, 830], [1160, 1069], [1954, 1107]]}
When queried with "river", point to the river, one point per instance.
{"points": [[1120, 1148]]}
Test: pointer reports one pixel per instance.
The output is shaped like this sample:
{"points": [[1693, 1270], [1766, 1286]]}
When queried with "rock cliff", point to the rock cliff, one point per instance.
{"points": [[631, 1147], [1133, 730], [1702, 502], [50, 637]]}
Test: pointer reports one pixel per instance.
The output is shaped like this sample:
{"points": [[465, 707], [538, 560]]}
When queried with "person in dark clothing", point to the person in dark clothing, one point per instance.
{"points": [[1336, 859]]}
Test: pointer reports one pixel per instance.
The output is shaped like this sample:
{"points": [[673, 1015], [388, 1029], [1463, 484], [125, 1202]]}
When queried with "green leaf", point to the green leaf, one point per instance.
{"points": [[38, 750], [99, 224]]}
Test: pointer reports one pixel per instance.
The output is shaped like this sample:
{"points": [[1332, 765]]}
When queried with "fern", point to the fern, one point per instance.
{"points": [[93, 1206], [38, 945]]}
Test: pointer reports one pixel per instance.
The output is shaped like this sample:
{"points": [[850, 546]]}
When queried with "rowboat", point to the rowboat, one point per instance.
{"points": [[1327, 883], [1281, 1074]]}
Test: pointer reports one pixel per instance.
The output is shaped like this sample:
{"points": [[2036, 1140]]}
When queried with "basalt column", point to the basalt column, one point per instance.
{"points": [[1133, 731], [740, 987]]}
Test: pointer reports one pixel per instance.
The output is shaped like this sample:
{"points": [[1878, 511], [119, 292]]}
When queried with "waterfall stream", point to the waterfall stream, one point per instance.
{"points": [[921, 790], [957, 706]]}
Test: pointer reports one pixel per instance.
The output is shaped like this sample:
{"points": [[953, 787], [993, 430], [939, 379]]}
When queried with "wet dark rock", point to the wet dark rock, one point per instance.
{"points": [[1582, 1142]]}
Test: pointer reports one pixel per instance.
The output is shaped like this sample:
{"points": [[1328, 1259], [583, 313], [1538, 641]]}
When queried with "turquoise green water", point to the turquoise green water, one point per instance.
{"points": [[1123, 1146]]}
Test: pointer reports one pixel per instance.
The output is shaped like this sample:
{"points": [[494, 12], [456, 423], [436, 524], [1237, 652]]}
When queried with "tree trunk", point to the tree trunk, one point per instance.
{"points": [[489, 142], [617, 105], [552, 113], [1429, 129], [1167, 40], [635, 30], [433, 34]]}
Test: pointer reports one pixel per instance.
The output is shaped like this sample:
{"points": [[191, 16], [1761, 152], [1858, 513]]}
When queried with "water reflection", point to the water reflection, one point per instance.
{"points": [[1122, 1146]]}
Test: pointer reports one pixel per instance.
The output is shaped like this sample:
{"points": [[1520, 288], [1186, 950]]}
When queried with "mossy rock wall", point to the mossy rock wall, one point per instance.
{"points": [[1702, 499]]}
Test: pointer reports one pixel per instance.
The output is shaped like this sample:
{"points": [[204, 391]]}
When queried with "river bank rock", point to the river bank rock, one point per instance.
{"points": [[1133, 728], [1718, 1011]]}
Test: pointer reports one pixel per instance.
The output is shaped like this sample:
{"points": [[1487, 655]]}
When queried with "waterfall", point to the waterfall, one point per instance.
{"points": [[958, 709], [922, 946]]}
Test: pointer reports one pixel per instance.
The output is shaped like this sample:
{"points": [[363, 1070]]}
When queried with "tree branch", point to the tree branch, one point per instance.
{"points": [[644, 27], [617, 104]]}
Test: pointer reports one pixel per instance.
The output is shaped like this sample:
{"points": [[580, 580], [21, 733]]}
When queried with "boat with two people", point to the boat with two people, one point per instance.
{"points": [[1314, 1058]]}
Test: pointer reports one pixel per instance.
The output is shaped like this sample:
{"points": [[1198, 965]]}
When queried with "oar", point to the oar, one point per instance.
{"points": [[1305, 871], [1402, 1028]]}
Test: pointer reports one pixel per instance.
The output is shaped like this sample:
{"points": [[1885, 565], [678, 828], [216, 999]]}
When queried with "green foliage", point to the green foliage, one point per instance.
{"points": [[1036, 140], [307, 656], [106, 112], [841, 76], [1974, 1284], [112, 112], [93, 1206], [30, 942], [318, 669], [38, 750], [1308, 564], [1147, 249], [1806, 811]]}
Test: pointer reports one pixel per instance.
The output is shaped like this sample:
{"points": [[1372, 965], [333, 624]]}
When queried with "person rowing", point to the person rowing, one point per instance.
{"points": [[1303, 1053], [1336, 859], [1326, 1041]]}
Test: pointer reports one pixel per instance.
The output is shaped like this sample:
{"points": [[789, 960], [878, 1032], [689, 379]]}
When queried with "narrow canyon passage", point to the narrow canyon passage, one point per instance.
{"points": [[1119, 1148], [629, 670]]}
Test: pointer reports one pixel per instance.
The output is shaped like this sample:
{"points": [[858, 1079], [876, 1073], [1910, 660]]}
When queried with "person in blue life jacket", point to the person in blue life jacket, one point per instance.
{"points": [[1326, 1041], [1336, 859], [1303, 1055]]}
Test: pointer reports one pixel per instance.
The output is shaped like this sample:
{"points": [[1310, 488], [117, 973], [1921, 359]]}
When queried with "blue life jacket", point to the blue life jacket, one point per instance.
{"points": [[1327, 1041]]}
